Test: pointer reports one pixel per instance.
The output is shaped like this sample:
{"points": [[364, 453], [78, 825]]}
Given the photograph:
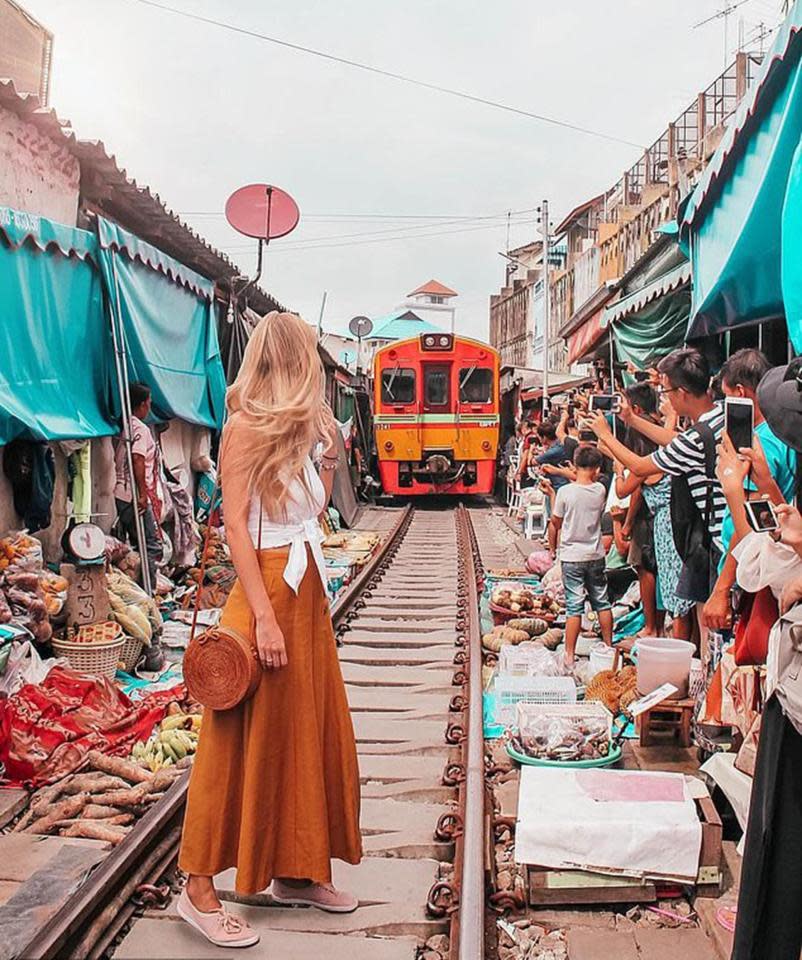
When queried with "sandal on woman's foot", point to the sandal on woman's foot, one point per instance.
{"points": [[221, 928], [324, 896]]}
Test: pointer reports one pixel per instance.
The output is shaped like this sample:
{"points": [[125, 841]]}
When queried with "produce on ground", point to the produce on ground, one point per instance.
{"points": [[501, 636], [616, 690], [533, 626], [548, 733], [21, 575], [524, 600], [174, 740]]}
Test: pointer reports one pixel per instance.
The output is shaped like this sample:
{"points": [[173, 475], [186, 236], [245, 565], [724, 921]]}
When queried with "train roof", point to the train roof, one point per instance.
{"points": [[457, 339]]}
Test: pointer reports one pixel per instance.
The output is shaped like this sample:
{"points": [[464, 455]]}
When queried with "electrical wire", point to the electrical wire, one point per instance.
{"points": [[403, 78], [519, 218]]}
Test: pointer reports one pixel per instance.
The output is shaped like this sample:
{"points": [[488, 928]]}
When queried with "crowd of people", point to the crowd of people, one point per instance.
{"points": [[653, 481]]}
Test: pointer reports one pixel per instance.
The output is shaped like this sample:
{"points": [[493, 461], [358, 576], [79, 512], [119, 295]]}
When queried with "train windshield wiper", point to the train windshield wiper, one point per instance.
{"points": [[394, 374]]}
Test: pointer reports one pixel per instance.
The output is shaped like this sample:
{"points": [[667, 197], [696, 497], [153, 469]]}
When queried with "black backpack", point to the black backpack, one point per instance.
{"points": [[692, 536]]}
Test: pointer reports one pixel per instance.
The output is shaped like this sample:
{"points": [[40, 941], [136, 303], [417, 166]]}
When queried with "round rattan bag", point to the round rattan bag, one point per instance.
{"points": [[221, 668]]}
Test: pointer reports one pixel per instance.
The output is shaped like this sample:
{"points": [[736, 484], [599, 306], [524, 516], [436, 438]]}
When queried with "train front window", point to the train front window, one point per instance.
{"points": [[435, 386], [398, 385], [475, 385]]}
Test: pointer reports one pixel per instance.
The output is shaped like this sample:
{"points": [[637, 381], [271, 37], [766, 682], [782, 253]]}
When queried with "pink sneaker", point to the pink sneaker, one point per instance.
{"points": [[324, 896], [221, 928]]}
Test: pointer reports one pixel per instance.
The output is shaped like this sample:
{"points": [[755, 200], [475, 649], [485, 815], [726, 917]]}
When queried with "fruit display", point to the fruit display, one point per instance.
{"points": [[175, 739], [532, 626], [132, 608], [21, 575]]}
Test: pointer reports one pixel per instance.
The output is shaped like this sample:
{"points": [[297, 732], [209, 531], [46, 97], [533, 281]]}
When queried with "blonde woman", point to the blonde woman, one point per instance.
{"points": [[275, 784]]}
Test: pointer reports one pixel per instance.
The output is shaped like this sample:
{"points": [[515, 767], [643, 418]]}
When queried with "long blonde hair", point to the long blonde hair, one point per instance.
{"points": [[279, 397]]}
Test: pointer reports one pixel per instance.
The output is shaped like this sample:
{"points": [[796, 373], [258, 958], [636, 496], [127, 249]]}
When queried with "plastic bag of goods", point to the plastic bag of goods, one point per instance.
{"points": [[563, 732], [539, 562]]}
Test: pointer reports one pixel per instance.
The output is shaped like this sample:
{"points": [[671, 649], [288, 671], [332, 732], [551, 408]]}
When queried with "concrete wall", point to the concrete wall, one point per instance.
{"points": [[36, 174]]}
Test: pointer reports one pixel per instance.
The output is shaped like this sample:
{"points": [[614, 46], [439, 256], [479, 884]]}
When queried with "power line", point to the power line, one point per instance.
{"points": [[345, 61], [301, 245], [354, 216], [519, 218]]}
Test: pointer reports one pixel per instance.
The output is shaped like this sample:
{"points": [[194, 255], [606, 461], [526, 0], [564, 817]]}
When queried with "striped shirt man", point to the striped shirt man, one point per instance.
{"points": [[686, 455]]}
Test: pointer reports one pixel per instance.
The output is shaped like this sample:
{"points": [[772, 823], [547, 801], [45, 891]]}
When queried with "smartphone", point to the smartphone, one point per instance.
{"points": [[605, 403], [641, 376], [587, 436], [762, 515], [739, 421]]}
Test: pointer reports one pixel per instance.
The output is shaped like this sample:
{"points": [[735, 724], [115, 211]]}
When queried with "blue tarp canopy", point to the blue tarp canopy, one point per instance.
{"points": [[167, 313], [740, 226], [55, 352]]}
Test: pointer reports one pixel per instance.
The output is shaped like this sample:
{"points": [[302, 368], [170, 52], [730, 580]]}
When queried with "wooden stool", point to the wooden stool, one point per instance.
{"points": [[670, 716]]}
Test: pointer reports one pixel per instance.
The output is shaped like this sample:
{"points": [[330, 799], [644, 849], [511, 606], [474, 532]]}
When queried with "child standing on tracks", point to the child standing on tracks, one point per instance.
{"points": [[576, 524]]}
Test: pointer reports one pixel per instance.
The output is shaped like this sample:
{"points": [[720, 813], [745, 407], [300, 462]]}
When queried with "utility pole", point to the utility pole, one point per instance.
{"points": [[543, 219], [320, 318]]}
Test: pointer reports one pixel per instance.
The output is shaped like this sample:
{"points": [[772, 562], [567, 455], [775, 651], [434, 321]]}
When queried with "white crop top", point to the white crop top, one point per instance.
{"points": [[300, 527]]}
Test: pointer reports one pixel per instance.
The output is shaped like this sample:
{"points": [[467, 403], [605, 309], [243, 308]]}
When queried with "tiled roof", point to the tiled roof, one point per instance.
{"points": [[434, 288]]}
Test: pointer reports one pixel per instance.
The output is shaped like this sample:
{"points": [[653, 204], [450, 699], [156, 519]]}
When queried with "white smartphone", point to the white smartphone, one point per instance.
{"points": [[739, 421], [762, 515], [605, 403]]}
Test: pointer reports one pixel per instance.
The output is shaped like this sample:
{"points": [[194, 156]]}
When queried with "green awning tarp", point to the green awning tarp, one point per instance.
{"points": [[167, 313], [732, 227], [55, 353], [651, 322]]}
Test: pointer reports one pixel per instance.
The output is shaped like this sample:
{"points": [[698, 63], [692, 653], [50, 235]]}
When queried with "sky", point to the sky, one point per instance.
{"points": [[396, 184]]}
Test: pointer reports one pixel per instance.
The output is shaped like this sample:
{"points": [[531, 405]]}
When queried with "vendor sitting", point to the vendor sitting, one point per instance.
{"points": [[144, 460]]}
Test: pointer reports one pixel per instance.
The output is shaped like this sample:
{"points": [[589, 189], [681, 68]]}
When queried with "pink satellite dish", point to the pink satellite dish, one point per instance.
{"points": [[262, 211]]}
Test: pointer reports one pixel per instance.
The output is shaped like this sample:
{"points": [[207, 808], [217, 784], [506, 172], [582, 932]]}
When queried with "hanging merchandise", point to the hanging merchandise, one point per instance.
{"points": [[31, 472]]}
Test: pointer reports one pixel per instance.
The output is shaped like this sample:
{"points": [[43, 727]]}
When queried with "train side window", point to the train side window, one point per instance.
{"points": [[475, 385], [398, 385], [435, 386]]}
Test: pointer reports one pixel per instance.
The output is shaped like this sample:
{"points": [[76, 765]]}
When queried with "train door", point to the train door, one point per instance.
{"points": [[436, 387]]}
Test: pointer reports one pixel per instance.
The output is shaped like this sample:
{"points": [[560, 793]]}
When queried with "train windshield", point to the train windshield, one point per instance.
{"points": [[435, 386], [475, 385], [398, 385]]}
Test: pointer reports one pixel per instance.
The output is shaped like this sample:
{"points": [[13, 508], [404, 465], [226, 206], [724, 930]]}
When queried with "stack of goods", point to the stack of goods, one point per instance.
{"points": [[29, 594], [510, 600], [615, 689], [219, 577], [101, 803], [174, 740], [132, 608], [122, 556], [562, 732]]}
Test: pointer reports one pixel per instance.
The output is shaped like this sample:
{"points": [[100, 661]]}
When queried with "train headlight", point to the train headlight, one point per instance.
{"points": [[389, 445]]}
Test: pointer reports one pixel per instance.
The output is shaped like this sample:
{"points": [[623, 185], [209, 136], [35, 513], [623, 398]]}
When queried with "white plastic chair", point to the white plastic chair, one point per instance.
{"points": [[535, 521]]}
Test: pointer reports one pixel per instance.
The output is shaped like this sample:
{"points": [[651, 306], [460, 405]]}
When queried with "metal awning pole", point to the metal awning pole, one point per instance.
{"points": [[121, 368]]}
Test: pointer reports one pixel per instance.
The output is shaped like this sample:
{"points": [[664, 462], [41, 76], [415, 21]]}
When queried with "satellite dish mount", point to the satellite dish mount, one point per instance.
{"points": [[264, 212], [360, 327]]}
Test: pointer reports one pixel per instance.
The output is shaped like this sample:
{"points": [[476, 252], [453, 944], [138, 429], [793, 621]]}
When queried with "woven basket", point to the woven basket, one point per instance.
{"points": [[97, 659], [131, 652]]}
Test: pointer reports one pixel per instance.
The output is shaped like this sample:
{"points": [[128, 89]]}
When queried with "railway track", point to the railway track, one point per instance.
{"points": [[411, 660]]}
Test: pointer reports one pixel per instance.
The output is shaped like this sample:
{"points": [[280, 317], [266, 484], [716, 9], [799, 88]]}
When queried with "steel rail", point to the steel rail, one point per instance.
{"points": [[134, 856], [470, 860]]}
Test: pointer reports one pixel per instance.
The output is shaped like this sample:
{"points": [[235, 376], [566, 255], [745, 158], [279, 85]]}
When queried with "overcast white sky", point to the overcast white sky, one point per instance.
{"points": [[195, 111]]}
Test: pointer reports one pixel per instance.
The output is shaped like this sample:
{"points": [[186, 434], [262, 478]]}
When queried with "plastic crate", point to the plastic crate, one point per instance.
{"points": [[526, 660], [513, 691]]}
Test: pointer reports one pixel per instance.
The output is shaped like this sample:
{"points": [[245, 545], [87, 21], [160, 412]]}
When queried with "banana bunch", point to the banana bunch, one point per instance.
{"points": [[176, 738]]}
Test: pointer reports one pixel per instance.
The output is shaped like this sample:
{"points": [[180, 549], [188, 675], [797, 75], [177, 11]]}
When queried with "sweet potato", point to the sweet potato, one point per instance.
{"points": [[99, 811], [96, 830], [125, 798], [92, 782], [118, 767], [64, 810]]}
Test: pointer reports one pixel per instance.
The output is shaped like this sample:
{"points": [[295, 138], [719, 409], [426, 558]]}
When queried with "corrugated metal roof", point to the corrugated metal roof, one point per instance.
{"points": [[108, 189]]}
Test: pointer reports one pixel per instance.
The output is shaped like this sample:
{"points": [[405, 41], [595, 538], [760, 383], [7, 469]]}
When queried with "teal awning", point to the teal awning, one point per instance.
{"points": [[733, 227], [168, 316], [651, 322], [55, 353]]}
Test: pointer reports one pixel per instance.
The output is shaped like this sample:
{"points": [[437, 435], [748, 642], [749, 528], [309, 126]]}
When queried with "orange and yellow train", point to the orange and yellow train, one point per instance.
{"points": [[436, 415]]}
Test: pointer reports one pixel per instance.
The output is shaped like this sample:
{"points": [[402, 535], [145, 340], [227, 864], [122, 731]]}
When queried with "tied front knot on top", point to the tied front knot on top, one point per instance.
{"points": [[298, 529]]}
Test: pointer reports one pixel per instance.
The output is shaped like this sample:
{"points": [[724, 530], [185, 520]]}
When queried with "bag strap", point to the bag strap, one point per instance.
{"points": [[205, 556], [709, 445]]}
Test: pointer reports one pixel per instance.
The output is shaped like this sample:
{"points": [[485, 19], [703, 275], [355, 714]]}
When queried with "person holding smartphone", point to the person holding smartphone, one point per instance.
{"points": [[771, 473]]}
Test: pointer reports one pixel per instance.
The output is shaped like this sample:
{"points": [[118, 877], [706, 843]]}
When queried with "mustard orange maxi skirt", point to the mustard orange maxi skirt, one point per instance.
{"points": [[274, 790]]}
